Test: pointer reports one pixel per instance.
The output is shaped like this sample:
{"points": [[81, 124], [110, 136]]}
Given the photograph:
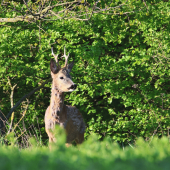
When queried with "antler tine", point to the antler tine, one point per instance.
{"points": [[66, 57], [55, 56]]}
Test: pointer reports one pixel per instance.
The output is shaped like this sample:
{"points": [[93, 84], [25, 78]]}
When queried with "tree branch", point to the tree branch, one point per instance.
{"points": [[75, 9], [12, 101], [24, 97]]}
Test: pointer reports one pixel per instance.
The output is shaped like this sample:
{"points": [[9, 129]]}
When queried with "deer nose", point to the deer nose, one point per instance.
{"points": [[73, 86]]}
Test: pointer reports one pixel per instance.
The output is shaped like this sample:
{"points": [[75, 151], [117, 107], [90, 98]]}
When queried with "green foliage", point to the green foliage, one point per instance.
{"points": [[121, 68], [92, 154]]}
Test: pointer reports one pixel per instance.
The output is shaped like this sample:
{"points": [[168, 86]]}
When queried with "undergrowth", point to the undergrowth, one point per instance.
{"points": [[92, 154]]}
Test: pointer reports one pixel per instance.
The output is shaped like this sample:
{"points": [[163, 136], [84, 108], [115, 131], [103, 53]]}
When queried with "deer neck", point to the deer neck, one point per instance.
{"points": [[56, 102]]}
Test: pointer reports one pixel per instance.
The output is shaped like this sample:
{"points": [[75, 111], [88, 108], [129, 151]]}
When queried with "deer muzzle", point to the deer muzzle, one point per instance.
{"points": [[72, 87]]}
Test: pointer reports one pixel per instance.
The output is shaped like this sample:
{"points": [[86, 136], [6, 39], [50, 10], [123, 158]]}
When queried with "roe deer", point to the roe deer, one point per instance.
{"points": [[57, 112]]}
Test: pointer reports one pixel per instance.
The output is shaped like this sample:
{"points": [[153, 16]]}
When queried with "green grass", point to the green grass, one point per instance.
{"points": [[91, 155]]}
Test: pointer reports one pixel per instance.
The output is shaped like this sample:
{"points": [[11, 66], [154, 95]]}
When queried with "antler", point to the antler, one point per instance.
{"points": [[56, 57], [66, 57]]}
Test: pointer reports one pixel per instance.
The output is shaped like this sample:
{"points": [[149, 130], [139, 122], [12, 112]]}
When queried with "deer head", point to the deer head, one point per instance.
{"points": [[61, 76]]}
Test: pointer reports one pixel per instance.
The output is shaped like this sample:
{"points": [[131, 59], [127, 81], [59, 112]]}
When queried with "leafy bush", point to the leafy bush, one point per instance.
{"points": [[121, 68], [92, 154]]}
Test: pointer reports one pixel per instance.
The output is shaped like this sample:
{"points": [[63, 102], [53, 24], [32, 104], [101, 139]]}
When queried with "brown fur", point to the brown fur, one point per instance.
{"points": [[57, 112]]}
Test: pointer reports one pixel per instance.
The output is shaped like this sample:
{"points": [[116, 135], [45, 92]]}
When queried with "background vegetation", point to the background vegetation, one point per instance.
{"points": [[121, 68]]}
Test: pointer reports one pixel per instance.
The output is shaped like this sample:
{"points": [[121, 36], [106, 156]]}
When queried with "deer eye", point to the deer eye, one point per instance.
{"points": [[61, 77]]}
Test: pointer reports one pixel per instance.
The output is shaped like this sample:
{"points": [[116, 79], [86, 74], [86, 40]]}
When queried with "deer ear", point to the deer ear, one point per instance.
{"points": [[70, 66], [53, 66]]}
